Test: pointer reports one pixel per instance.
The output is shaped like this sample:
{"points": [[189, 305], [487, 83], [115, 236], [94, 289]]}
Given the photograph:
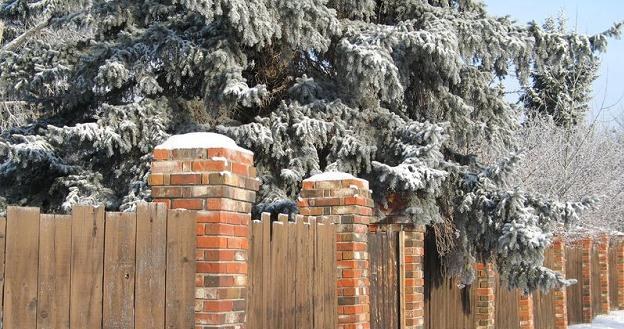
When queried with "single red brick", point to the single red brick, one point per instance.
{"points": [[240, 169], [161, 154], [185, 179], [193, 204], [210, 165]]}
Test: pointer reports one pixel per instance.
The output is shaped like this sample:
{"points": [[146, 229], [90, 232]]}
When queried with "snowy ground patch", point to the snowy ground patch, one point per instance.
{"points": [[613, 320]]}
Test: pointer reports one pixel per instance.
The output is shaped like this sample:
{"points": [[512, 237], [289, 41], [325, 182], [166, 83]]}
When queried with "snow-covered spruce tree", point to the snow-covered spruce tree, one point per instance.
{"points": [[398, 92]]}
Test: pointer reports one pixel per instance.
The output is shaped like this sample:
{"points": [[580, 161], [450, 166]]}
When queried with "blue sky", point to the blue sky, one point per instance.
{"points": [[586, 16]]}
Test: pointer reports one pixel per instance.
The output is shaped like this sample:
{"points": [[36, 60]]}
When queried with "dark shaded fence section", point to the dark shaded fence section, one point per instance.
{"points": [[292, 274], [383, 253], [446, 304], [574, 268], [96, 269]]}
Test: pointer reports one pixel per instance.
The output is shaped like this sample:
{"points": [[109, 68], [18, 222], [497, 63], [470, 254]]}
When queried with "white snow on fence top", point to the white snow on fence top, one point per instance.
{"points": [[200, 140], [330, 175]]}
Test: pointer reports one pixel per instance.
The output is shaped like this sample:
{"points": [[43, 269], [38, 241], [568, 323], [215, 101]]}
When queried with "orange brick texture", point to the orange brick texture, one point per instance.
{"points": [[586, 280], [414, 284], [349, 205], [485, 312], [559, 295], [620, 273], [603, 261], [220, 184]]}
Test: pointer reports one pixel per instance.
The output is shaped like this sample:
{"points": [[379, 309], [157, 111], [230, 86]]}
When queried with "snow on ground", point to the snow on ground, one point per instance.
{"points": [[614, 320]]}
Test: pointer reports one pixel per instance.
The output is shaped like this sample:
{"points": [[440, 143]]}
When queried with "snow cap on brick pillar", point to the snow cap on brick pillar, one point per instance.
{"points": [[209, 173], [346, 200], [485, 313]]}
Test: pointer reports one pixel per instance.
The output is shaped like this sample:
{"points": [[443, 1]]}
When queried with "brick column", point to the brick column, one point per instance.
{"points": [[346, 200], [413, 253], [485, 310], [620, 272], [586, 281], [603, 261], [216, 178], [560, 305], [525, 312]]}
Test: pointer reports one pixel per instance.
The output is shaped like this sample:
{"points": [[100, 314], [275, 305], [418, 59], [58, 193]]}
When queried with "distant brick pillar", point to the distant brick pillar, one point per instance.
{"points": [[413, 253], [485, 310], [347, 201], [586, 280], [216, 178], [603, 261], [560, 305], [620, 273]]}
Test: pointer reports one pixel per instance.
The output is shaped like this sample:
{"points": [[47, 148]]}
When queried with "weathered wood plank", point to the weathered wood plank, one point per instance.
{"points": [[180, 296], [291, 267], [22, 245], [151, 266], [87, 267], [266, 270], [2, 254], [54, 272], [119, 271]]}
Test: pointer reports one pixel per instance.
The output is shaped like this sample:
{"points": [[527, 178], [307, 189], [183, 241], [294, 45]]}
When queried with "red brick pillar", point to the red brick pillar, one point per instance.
{"points": [[217, 178], [603, 261], [525, 312], [413, 253], [560, 305], [586, 280], [485, 311], [347, 201]]}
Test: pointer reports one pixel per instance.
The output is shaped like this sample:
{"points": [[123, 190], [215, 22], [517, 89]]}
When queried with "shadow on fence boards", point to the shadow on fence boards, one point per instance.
{"points": [[95, 269], [292, 274]]}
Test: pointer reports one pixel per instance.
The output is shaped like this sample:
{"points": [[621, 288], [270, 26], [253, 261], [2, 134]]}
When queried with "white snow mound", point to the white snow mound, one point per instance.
{"points": [[200, 140], [330, 175]]}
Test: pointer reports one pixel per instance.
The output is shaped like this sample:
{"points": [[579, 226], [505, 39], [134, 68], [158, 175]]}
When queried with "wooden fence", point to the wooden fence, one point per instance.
{"points": [[544, 303], [385, 278], [93, 269], [614, 244], [574, 270], [292, 274], [507, 308]]}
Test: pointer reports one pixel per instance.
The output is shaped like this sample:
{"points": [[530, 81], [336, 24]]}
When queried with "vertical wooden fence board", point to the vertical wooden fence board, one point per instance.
{"points": [[281, 243], [54, 272], [22, 244], [266, 270], [506, 306], [309, 255], [254, 289], [2, 254], [595, 281], [87, 267], [180, 281], [574, 292], [543, 303], [151, 242], [291, 267], [119, 271]]}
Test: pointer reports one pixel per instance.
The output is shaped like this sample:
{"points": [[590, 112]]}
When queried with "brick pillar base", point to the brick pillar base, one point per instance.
{"points": [[525, 312], [485, 310], [603, 260], [586, 280], [413, 253], [220, 183], [346, 200], [560, 305]]}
